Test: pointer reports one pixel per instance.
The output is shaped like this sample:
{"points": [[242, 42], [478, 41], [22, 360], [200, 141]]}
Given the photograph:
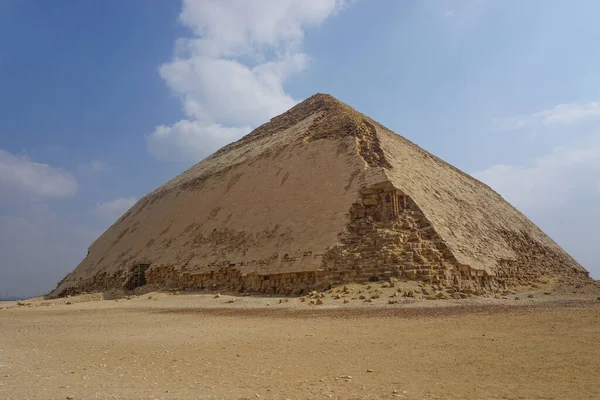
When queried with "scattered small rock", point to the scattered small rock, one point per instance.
{"points": [[231, 301], [369, 370], [517, 298], [530, 296], [319, 302], [217, 295], [348, 301]]}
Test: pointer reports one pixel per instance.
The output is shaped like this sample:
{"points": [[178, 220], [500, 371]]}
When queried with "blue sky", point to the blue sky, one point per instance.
{"points": [[101, 102]]}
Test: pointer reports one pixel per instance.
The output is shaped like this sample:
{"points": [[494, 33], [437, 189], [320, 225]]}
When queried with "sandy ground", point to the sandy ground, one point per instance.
{"points": [[196, 346]]}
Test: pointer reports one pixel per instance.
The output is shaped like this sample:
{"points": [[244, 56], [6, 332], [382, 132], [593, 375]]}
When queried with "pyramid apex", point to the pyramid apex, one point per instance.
{"points": [[317, 102], [322, 96]]}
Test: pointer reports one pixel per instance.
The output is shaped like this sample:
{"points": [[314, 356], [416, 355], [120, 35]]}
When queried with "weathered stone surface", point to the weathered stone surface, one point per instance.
{"points": [[321, 195]]}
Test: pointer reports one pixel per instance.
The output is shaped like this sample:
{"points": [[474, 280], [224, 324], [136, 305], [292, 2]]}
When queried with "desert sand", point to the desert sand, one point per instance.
{"points": [[543, 345]]}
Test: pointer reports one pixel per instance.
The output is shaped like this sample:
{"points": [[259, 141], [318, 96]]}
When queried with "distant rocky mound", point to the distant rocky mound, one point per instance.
{"points": [[320, 195]]}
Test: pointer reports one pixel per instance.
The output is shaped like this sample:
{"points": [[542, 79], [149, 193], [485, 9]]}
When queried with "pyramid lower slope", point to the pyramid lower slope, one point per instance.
{"points": [[319, 195]]}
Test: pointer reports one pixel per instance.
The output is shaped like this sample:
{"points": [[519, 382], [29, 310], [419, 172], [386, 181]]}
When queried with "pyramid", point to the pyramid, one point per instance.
{"points": [[320, 195]]}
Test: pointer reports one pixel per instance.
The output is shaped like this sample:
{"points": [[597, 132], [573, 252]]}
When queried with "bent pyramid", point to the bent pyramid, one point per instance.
{"points": [[320, 195]]}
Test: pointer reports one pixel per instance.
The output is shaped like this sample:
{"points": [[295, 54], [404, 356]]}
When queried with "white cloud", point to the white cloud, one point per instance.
{"points": [[548, 182], [230, 74], [559, 115], [569, 113], [186, 140], [111, 210], [227, 91], [20, 174], [228, 28]]}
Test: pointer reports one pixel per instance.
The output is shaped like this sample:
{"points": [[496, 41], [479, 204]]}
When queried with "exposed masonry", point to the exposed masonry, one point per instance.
{"points": [[231, 279], [387, 235], [353, 124], [534, 260], [223, 278]]}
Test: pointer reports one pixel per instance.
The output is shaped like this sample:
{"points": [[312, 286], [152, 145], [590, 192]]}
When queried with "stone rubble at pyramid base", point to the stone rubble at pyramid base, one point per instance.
{"points": [[301, 283], [387, 238]]}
